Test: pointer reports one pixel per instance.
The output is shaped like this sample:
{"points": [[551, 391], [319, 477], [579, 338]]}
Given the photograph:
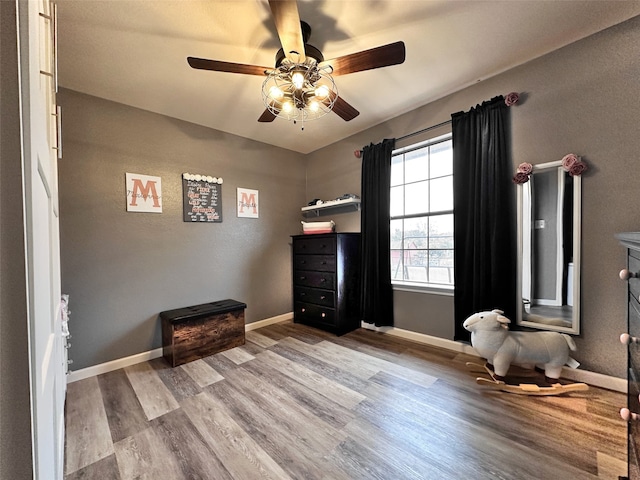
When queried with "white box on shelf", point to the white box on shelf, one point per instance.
{"points": [[318, 227]]}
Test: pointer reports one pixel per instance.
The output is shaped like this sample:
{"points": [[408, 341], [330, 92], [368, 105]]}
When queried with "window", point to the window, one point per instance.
{"points": [[422, 214]]}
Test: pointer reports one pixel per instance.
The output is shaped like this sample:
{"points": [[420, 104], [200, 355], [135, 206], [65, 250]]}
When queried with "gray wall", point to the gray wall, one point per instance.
{"points": [[121, 269], [581, 99], [15, 417]]}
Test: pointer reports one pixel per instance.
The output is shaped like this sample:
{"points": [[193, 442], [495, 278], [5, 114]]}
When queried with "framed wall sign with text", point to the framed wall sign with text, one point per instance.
{"points": [[201, 198], [248, 203], [144, 193]]}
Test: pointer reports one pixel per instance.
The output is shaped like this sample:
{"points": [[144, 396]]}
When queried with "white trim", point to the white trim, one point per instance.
{"points": [[586, 376], [545, 302], [268, 321], [156, 353], [423, 338], [592, 378], [596, 379], [113, 365], [428, 288]]}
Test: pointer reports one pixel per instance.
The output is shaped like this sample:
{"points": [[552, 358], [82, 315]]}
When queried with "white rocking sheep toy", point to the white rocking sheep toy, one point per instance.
{"points": [[491, 338]]}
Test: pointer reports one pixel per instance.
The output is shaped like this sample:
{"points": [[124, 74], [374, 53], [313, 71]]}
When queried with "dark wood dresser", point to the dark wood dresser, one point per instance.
{"points": [[632, 339], [326, 281]]}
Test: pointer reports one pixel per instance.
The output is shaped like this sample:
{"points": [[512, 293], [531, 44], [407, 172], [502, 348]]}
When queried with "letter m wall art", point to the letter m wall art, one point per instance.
{"points": [[248, 203], [144, 193]]}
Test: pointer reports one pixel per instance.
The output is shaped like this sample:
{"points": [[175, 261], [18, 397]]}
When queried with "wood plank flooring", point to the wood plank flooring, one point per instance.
{"points": [[298, 403]]}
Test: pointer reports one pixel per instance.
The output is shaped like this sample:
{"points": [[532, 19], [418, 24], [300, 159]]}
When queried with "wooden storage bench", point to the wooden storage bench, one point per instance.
{"points": [[191, 333]]}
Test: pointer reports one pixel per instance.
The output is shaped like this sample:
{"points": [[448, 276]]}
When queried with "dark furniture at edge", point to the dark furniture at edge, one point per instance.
{"points": [[632, 274], [326, 281]]}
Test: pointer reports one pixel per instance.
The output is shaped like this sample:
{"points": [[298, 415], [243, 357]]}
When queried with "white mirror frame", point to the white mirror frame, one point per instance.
{"points": [[577, 225]]}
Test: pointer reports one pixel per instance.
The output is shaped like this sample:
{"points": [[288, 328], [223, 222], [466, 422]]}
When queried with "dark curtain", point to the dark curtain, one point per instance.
{"points": [[377, 293], [484, 213]]}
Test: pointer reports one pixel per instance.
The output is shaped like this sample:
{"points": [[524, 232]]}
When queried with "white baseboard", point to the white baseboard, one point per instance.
{"points": [[106, 367], [592, 378], [268, 321], [423, 338], [596, 379]]}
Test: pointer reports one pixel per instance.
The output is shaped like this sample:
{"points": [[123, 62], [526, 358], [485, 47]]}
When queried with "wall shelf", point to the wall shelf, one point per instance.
{"points": [[332, 206]]}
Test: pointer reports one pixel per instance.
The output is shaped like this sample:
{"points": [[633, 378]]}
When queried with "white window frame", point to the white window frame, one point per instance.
{"points": [[423, 287]]}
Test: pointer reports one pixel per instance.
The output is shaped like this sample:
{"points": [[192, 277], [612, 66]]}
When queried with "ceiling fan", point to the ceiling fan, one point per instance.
{"points": [[301, 87]]}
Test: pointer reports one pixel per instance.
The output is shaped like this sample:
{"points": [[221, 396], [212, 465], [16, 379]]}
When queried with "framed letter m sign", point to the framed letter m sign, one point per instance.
{"points": [[144, 193], [248, 203]]}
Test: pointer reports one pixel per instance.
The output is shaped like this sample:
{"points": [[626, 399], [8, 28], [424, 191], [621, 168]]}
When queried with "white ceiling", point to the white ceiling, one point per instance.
{"points": [[134, 52]]}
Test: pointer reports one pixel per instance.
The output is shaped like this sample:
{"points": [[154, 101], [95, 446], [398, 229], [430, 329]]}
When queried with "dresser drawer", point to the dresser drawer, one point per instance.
{"points": [[634, 283], [306, 278], [313, 295], [634, 331], [320, 245], [324, 263], [315, 313]]}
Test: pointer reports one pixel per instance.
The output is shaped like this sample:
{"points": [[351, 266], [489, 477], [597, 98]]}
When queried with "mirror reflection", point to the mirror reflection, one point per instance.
{"points": [[549, 249]]}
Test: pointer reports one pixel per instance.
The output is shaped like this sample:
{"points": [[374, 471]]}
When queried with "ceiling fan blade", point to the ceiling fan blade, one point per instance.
{"points": [[218, 66], [267, 116], [287, 20], [342, 108], [384, 56]]}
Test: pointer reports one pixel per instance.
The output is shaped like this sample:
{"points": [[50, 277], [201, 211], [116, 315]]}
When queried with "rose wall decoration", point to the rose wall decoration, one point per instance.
{"points": [[511, 99], [571, 163]]}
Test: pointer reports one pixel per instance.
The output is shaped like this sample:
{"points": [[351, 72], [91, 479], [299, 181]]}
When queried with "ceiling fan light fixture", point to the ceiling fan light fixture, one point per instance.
{"points": [[287, 107], [298, 80], [306, 92], [322, 92], [275, 93]]}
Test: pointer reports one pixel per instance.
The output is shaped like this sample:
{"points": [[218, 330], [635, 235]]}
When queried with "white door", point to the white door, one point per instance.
{"points": [[39, 156]]}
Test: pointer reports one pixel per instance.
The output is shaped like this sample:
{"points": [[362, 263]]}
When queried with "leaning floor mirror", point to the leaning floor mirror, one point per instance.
{"points": [[549, 211]]}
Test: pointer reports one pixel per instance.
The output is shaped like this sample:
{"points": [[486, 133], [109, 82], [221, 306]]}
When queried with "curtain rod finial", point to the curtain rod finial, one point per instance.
{"points": [[357, 153]]}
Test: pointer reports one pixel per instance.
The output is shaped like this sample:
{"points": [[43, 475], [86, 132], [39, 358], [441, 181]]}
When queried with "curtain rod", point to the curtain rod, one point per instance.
{"points": [[424, 130], [358, 153]]}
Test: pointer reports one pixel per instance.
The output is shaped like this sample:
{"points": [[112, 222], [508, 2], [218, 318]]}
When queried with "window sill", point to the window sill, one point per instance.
{"points": [[429, 288]]}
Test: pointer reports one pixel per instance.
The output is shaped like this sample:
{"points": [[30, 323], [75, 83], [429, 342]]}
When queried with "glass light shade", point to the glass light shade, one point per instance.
{"points": [[322, 92], [275, 93], [299, 92], [298, 80]]}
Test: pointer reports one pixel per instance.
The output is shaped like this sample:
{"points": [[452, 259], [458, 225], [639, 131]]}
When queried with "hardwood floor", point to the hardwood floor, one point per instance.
{"points": [[297, 403]]}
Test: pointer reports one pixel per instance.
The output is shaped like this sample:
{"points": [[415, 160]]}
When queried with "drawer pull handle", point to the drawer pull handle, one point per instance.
{"points": [[302, 294], [322, 297], [303, 278], [303, 310], [324, 314], [627, 339], [626, 274], [322, 280], [628, 416], [303, 262]]}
